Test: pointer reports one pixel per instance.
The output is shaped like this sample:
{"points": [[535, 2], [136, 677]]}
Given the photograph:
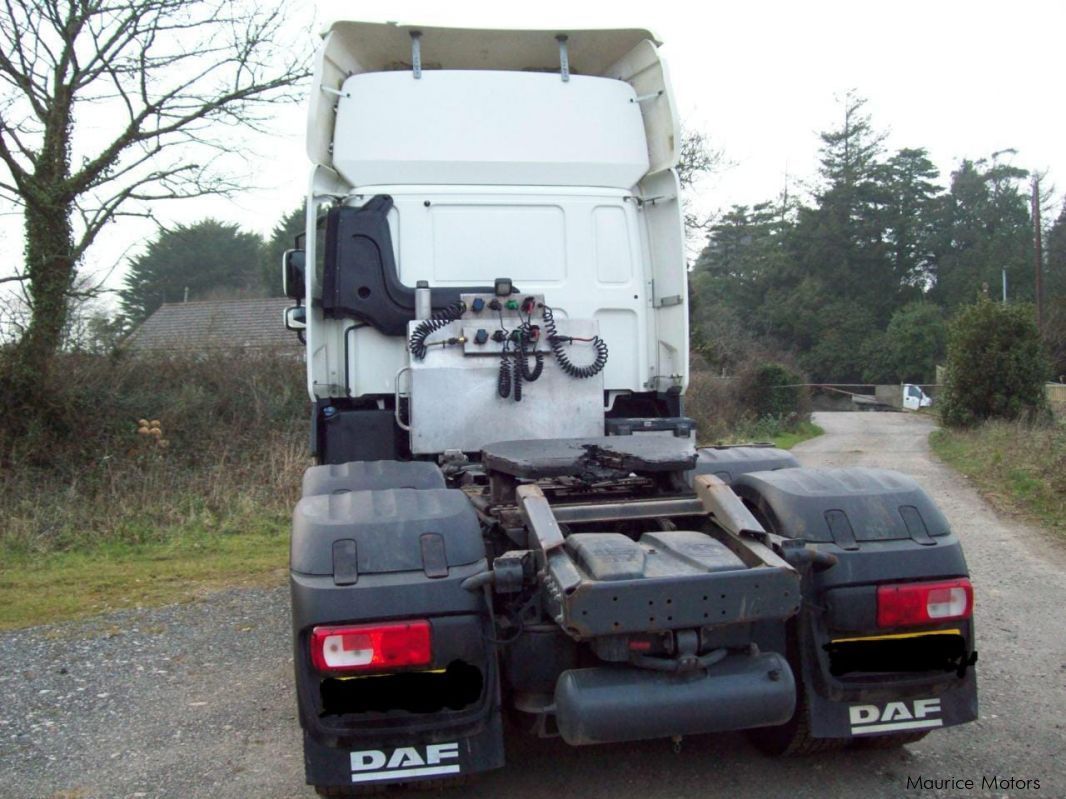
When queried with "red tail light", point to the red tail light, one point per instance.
{"points": [[371, 647], [908, 604]]}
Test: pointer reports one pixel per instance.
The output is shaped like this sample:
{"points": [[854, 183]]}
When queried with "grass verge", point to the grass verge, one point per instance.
{"points": [[768, 430], [790, 438], [39, 588], [1018, 467]]}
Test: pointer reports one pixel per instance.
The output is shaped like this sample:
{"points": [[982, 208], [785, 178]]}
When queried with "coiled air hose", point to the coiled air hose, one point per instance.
{"points": [[526, 337], [514, 366], [555, 341], [504, 381], [441, 318]]}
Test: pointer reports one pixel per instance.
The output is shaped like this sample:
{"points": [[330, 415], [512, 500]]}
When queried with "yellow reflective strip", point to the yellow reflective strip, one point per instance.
{"points": [[386, 674], [895, 636]]}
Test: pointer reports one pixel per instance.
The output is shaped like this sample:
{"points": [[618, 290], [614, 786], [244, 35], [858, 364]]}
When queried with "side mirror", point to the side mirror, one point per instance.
{"points": [[292, 274], [296, 318]]}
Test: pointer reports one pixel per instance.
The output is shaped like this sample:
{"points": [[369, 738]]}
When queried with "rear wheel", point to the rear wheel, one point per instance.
{"points": [[793, 738]]}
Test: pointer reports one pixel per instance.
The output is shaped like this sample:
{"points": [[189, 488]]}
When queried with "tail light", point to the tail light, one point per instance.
{"points": [[371, 647], [909, 604]]}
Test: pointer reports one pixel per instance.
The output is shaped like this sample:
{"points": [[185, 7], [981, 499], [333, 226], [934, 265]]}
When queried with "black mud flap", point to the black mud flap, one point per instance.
{"points": [[881, 704], [431, 756], [942, 704]]}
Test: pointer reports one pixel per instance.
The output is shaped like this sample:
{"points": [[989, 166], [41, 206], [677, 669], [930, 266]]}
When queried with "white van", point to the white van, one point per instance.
{"points": [[914, 398]]}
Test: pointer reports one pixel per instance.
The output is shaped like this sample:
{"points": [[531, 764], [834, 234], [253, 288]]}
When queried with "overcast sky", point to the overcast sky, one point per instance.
{"points": [[962, 79]]}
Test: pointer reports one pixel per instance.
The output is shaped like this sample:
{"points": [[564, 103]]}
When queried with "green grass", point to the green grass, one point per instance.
{"points": [[38, 588], [1019, 468], [768, 430], [790, 438]]}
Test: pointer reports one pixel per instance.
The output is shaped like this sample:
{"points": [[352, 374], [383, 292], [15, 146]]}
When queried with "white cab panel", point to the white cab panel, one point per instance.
{"points": [[585, 267], [489, 128], [632, 55], [526, 241]]}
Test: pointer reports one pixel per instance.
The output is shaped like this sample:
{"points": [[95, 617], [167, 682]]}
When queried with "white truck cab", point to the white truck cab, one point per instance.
{"points": [[542, 157]]}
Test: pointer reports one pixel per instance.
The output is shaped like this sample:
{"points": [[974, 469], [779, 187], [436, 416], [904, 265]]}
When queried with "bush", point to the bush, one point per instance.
{"points": [[760, 403], [770, 389], [222, 447], [713, 404], [996, 365], [909, 349]]}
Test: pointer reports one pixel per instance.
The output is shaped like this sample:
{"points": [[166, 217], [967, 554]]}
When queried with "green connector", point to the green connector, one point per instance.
{"points": [[512, 305]]}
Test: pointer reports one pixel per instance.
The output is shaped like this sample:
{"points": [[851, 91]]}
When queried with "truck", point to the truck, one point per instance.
{"points": [[509, 518]]}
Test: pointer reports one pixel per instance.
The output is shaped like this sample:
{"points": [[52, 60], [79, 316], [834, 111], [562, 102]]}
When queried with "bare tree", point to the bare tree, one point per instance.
{"points": [[163, 83], [697, 160]]}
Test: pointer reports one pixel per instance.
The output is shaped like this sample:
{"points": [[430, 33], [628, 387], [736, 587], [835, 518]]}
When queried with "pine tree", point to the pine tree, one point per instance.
{"points": [[984, 229], [282, 238], [203, 259], [911, 215]]}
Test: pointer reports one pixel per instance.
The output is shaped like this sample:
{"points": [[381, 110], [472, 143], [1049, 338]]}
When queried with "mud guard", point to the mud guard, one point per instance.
{"points": [[366, 556], [881, 527]]}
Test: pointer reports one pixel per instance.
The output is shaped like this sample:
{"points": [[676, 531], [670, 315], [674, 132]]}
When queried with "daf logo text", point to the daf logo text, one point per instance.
{"points": [[369, 765], [894, 716]]}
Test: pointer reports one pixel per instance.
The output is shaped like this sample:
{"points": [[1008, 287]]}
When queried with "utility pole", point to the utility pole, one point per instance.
{"points": [[1038, 258]]}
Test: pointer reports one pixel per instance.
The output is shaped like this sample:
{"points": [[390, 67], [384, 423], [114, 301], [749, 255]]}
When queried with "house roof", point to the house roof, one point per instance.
{"points": [[216, 324]]}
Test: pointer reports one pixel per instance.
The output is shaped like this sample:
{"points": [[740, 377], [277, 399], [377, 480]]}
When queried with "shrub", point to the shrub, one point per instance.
{"points": [[761, 402], [996, 365], [712, 403], [770, 389], [909, 349], [128, 448]]}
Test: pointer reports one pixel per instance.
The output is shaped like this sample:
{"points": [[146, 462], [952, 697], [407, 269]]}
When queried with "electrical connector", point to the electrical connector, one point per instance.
{"points": [[478, 305]]}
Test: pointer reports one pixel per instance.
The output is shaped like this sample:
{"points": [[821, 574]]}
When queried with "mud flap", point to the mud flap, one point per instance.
{"points": [[440, 754], [842, 709], [938, 705]]}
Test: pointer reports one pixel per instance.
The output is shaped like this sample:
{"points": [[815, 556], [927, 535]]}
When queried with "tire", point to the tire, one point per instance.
{"points": [[793, 738], [889, 741]]}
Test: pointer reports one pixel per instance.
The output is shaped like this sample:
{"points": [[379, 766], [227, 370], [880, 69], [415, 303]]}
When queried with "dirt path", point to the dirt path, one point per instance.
{"points": [[195, 700]]}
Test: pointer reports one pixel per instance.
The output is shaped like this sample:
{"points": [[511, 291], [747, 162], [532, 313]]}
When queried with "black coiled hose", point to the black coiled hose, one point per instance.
{"points": [[555, 341], [445, 316], [514, 366], [504, 381], [516, 372], [525, 337]]}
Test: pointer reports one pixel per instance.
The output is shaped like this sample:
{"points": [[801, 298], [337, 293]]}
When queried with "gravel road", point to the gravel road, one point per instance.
{"points": [[195, 700]]}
